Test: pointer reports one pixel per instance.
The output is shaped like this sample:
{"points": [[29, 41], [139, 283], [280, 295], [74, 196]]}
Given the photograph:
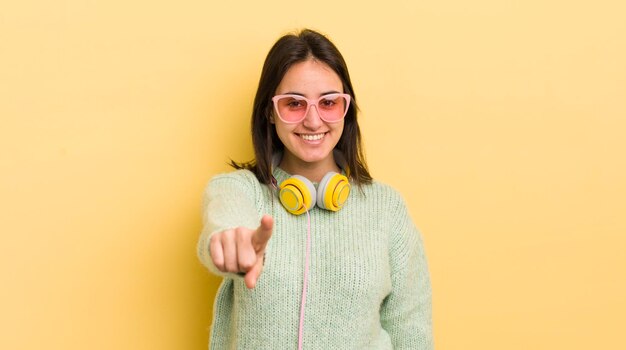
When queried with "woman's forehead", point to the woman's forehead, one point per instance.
{"points": [[310, 78]]}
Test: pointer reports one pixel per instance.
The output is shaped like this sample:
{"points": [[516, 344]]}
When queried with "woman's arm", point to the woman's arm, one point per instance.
{"points": [[406, 311], [232, 240]]}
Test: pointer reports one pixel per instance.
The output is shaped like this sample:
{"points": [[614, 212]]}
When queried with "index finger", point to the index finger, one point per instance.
{"points": [[263, 233]]}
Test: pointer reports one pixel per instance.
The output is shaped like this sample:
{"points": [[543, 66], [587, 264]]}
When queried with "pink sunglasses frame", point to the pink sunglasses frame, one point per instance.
{"points": [[309, 104]]}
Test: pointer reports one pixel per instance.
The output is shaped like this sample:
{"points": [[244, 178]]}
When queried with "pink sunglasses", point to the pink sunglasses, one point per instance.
{"points": [[292, 109]]}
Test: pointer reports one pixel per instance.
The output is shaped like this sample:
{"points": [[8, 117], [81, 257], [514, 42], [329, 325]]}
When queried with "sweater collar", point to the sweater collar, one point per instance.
{"points": [[281, 175]]}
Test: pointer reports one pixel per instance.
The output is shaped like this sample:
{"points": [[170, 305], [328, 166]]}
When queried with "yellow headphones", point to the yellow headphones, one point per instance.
{"points": [[297, 194]]}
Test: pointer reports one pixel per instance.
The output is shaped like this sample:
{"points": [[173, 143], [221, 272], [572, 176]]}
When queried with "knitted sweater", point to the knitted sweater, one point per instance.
{"points": [[368, 282]]}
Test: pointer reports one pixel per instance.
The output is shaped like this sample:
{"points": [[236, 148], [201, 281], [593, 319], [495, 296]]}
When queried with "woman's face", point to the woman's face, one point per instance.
{"points": [[311, 141]]}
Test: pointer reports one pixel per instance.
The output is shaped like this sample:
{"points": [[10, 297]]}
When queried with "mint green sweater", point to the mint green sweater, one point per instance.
{"points": [[368, 285]]}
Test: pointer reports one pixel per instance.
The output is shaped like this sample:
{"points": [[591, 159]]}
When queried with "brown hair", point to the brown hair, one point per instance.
{"points": [[287, 51]]}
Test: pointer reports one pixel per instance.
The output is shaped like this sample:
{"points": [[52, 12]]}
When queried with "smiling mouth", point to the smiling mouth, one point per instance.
{"points": [[312, 137]]}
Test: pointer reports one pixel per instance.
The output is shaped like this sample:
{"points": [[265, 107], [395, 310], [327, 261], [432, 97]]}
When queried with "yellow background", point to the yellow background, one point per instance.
{"points": [[502, 123]]}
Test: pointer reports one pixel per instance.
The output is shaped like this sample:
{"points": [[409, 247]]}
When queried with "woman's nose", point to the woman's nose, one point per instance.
{"points": [[312, 119]]}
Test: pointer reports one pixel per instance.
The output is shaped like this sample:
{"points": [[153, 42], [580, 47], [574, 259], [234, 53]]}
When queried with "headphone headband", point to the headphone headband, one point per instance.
{"points": [[340, 160]]}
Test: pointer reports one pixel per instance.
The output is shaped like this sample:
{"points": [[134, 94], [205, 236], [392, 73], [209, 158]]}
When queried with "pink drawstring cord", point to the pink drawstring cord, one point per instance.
{"points": [[306, 277]]}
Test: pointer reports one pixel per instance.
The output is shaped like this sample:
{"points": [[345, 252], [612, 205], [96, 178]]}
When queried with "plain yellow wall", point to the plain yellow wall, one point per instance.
{"points": [[501, 122]]}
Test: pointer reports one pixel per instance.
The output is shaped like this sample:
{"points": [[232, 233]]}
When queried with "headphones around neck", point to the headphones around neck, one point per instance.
{"points": [[298, 194]]}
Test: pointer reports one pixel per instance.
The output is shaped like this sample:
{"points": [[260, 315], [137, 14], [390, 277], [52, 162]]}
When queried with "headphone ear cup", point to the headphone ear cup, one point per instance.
{"points": [[333, 191], [297, 194]]}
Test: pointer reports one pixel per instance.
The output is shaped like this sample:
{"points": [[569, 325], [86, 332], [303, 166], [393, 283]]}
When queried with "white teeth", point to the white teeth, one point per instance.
{"points": [[312, 137]]}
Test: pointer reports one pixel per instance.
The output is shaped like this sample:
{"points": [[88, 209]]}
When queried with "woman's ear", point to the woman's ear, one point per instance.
{"points": [[272, 121]]}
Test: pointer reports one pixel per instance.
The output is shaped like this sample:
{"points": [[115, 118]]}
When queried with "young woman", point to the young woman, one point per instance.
{"points": [[314, 252]]}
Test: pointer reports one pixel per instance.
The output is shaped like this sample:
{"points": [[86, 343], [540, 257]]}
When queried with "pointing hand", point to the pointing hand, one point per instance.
{"points": [[241, 250]]}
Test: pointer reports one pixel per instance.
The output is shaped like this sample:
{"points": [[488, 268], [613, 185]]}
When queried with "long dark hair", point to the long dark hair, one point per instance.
{"points": [[287, 51]]}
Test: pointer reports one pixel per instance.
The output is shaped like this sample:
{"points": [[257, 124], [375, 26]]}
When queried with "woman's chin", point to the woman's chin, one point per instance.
{"points": [[312, 156]]}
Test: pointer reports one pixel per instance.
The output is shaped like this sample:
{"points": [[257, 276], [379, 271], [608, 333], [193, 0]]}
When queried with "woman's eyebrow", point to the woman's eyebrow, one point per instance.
{"points": [[303, 95], [293, 93]]}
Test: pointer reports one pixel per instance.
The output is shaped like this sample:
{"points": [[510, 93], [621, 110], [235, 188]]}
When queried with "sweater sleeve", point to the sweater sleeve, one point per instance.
{"points": [[230, 200], [406, 311]]}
